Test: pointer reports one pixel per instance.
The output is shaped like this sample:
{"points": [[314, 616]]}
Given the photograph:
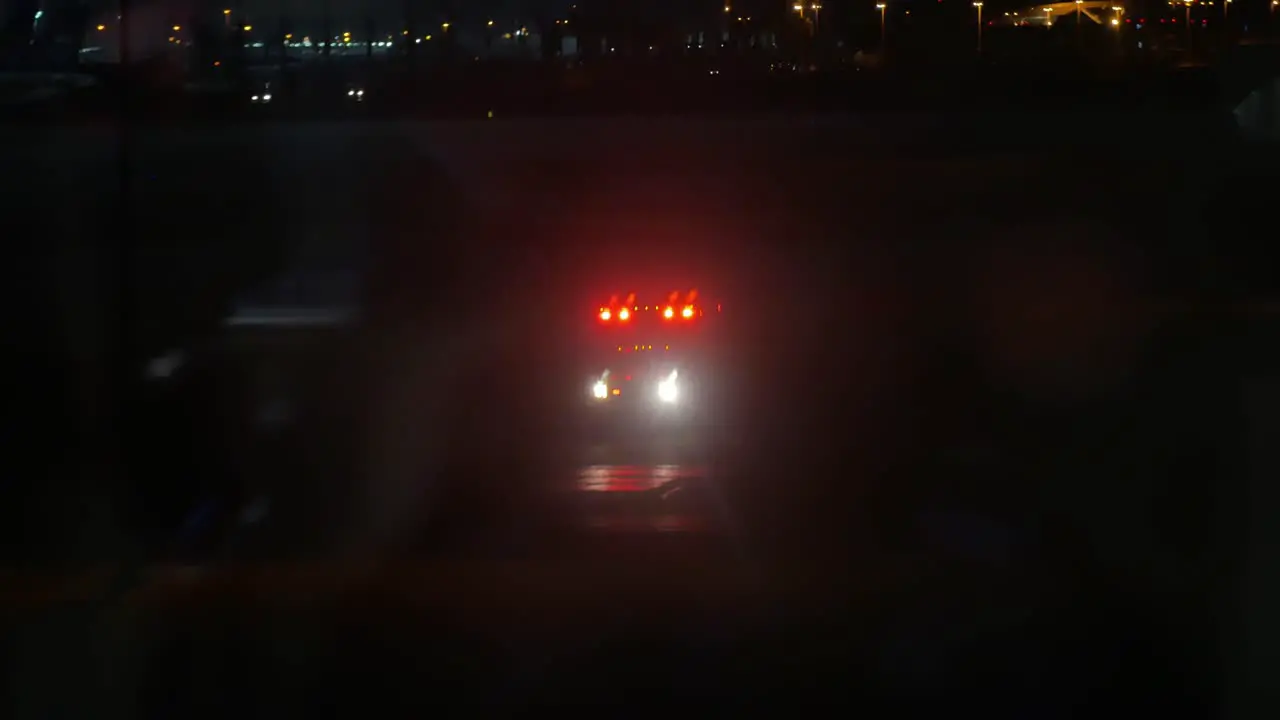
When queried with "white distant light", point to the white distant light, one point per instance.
{"points": [[600, 390], [667, 389], [165, 365]]}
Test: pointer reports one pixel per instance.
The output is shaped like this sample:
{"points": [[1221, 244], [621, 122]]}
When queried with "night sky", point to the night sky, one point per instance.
{"points": [[307, 15], [382, 10], [304, 11]]}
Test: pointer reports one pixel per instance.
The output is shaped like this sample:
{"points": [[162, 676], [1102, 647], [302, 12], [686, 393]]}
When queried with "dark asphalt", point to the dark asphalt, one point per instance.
{"points": [[411, 230], [785, 214], [960, 332]]}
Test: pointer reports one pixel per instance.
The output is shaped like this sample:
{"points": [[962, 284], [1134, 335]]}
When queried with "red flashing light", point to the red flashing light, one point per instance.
{"points": [[616, 312]]}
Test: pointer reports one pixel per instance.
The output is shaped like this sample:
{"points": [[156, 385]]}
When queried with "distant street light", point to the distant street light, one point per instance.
{"points": [[881, 7], [979, 6], [1189, 3]]}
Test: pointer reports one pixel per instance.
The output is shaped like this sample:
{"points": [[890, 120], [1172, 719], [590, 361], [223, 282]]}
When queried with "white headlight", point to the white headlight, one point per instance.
{"points": [[600, 390], [667, 389]]}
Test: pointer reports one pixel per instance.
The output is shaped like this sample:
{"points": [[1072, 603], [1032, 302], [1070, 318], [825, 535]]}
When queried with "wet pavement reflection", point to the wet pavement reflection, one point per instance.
{"points": [[635, 478], [665, 498]]}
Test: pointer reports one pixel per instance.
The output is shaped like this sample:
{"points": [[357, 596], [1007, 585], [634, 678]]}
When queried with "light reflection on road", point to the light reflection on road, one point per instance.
{"points": [[643, 498], [633, 478]]}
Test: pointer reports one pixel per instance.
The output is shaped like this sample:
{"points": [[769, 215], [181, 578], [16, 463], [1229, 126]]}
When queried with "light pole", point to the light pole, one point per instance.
{"points": [[979, 6], [817, 12], [881, 7], [1048, 17], [1188, 4], [1226, 23], [1115, 25]]}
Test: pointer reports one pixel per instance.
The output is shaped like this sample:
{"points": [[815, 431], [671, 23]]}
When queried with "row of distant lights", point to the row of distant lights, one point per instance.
{"points": [[881, 6], [798, 7], [266, 97], [346, 42], [345, 38]]}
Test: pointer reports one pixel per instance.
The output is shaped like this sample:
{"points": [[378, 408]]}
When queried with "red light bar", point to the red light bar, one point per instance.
{"points": [[688, 312], [674, 308]]}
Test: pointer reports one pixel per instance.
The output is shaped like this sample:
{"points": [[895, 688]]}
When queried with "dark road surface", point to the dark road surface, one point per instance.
{"points": [[943, 325], [420, 224]]}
